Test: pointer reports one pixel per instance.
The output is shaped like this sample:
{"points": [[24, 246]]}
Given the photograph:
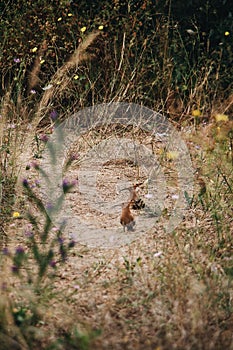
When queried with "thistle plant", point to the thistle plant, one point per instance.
{"points": [[46, 245]]}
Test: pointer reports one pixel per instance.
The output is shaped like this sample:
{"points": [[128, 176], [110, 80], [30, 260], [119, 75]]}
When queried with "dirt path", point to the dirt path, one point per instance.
{"points": [[130, 285]]}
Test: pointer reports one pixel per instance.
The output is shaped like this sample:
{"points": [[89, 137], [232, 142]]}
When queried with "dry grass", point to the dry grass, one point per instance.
{"points": [[159, 292], [60, 80], [18, 128], [34, 79]]}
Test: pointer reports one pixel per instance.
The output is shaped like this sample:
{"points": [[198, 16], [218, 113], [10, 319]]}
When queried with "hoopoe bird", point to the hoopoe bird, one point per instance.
{"points": [[134, 202], [137, 202], [127, 218]]}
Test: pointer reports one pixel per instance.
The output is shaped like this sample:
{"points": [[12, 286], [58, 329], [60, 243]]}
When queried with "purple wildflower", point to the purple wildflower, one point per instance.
{"points": [[68, 185], [74, 183], [28, 233], [60, 240], [52, 263], [33, 91], [49, 207], [16, 60], [19, 250], [53, 115], [37, 183], [25, 183], [14, 269], [65, 185], [44, 138]]}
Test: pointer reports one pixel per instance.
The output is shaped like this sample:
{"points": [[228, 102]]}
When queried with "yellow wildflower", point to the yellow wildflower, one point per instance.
{"points": [[101, 27], [221, 118], [226, 33], [196, 113], [69, 14], [161, 151], [34, 49], [172, 155], [16, 214], [76, 77], [83, 29], [59, 19], [42, 61]]}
